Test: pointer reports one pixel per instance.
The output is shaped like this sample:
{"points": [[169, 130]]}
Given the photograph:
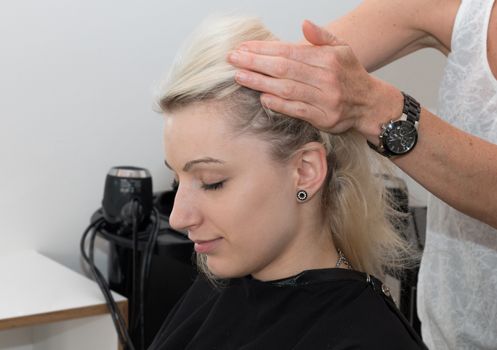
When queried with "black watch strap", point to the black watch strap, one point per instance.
{"points": [[412, 108], [383, 151]]}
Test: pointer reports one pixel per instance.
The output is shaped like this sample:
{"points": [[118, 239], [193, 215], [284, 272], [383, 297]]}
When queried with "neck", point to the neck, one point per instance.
{"points": [[310, 250]]}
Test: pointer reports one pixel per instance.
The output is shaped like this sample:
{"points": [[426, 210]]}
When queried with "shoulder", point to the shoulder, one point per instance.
{"points": [[353, 312], [374, 318]]}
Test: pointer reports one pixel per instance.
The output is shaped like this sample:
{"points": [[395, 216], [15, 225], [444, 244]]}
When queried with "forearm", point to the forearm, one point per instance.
{"points": [[458, 168], [390, 33], [381, 31]]}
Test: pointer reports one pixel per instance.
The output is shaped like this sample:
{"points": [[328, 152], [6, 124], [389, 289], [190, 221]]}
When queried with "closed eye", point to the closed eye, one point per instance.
{"points": [[213, 186]]}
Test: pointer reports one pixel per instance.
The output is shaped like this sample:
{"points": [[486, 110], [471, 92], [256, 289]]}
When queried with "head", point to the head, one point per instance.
{"points": [[240, 166]]}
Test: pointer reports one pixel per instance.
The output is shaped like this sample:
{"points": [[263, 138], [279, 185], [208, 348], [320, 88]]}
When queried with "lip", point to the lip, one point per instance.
{"points": [[207, 246]]}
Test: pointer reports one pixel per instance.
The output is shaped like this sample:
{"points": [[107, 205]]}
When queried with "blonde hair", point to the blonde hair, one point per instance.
{"points": [[354, 200]]}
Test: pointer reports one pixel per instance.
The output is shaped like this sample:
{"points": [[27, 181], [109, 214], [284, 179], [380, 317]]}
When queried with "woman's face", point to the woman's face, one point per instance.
{"points": [[237, 203]]}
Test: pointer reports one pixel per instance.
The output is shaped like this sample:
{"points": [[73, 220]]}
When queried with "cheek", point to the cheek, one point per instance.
{"points": [[257, 228], [260, 212]]}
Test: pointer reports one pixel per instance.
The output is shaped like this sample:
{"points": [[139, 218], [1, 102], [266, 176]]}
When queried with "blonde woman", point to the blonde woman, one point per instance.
{"points": [[289, 223]]}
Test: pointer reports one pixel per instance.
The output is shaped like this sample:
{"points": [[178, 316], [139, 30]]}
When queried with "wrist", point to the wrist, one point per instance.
{"points": [[385, 104]]}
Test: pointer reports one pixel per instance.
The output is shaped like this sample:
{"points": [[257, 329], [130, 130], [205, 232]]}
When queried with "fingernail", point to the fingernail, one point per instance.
{"points": [[311, 22], [241, 76], [234, 57], [308, 21]]}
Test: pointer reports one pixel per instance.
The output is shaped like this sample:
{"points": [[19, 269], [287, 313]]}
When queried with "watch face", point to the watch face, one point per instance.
{"points": [[400, 137]]}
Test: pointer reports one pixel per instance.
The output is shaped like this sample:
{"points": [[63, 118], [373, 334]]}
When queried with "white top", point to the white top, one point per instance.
{"points": [[33, 284], [457, 288]]}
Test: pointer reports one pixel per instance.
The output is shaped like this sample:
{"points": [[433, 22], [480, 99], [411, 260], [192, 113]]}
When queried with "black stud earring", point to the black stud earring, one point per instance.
{"points": [[301, 195]]}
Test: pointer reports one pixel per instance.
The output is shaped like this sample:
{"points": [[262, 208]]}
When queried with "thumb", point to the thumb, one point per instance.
{"points": [[319, 36]]}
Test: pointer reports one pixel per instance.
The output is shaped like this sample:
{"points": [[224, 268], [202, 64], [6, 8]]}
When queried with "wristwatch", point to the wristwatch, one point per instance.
{"points": [[398, 137]]}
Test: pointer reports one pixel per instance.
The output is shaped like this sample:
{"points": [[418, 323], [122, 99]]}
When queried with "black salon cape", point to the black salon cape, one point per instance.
{"points": [[317, 309]]}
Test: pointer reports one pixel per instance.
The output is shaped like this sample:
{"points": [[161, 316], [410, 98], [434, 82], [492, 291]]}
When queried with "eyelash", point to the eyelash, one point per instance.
{"points": [[213, 187], [207, 187]]}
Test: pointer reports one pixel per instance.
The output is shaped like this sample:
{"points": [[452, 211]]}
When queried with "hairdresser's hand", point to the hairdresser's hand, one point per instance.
{"points": [[322, 83]]}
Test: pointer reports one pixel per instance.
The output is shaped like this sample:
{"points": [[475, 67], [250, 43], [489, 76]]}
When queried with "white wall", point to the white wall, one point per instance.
{"points": [[76, 83]]}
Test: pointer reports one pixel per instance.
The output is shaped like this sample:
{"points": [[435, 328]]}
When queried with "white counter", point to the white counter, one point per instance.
{"points": [[44, 305]]}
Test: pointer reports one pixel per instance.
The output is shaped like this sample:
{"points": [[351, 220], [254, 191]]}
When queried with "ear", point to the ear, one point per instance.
{"points": [[311, 167]]}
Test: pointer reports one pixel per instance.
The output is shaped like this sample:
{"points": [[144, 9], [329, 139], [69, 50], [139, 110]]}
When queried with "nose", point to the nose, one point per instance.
{"points": [[184, 215]]}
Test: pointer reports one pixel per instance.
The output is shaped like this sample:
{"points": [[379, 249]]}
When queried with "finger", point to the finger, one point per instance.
{"points": [[296, 109], [283, 88], [307, 112], [278, 67], [298, 52], [318, 35]]}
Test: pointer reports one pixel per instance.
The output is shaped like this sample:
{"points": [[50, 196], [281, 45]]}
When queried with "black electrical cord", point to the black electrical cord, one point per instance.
{"points": [[139, 283], [139, 277], [93, 269], [116, 316], [145, 270], [106, 291], [119, 320], [137, 316], [134, 291]]}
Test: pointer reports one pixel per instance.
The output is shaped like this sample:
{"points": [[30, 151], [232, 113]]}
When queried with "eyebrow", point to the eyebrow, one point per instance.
{"points": [[192, 163]]}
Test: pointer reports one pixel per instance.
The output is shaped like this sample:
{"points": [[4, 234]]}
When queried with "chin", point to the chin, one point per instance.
{"points": [[225, 270]]}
